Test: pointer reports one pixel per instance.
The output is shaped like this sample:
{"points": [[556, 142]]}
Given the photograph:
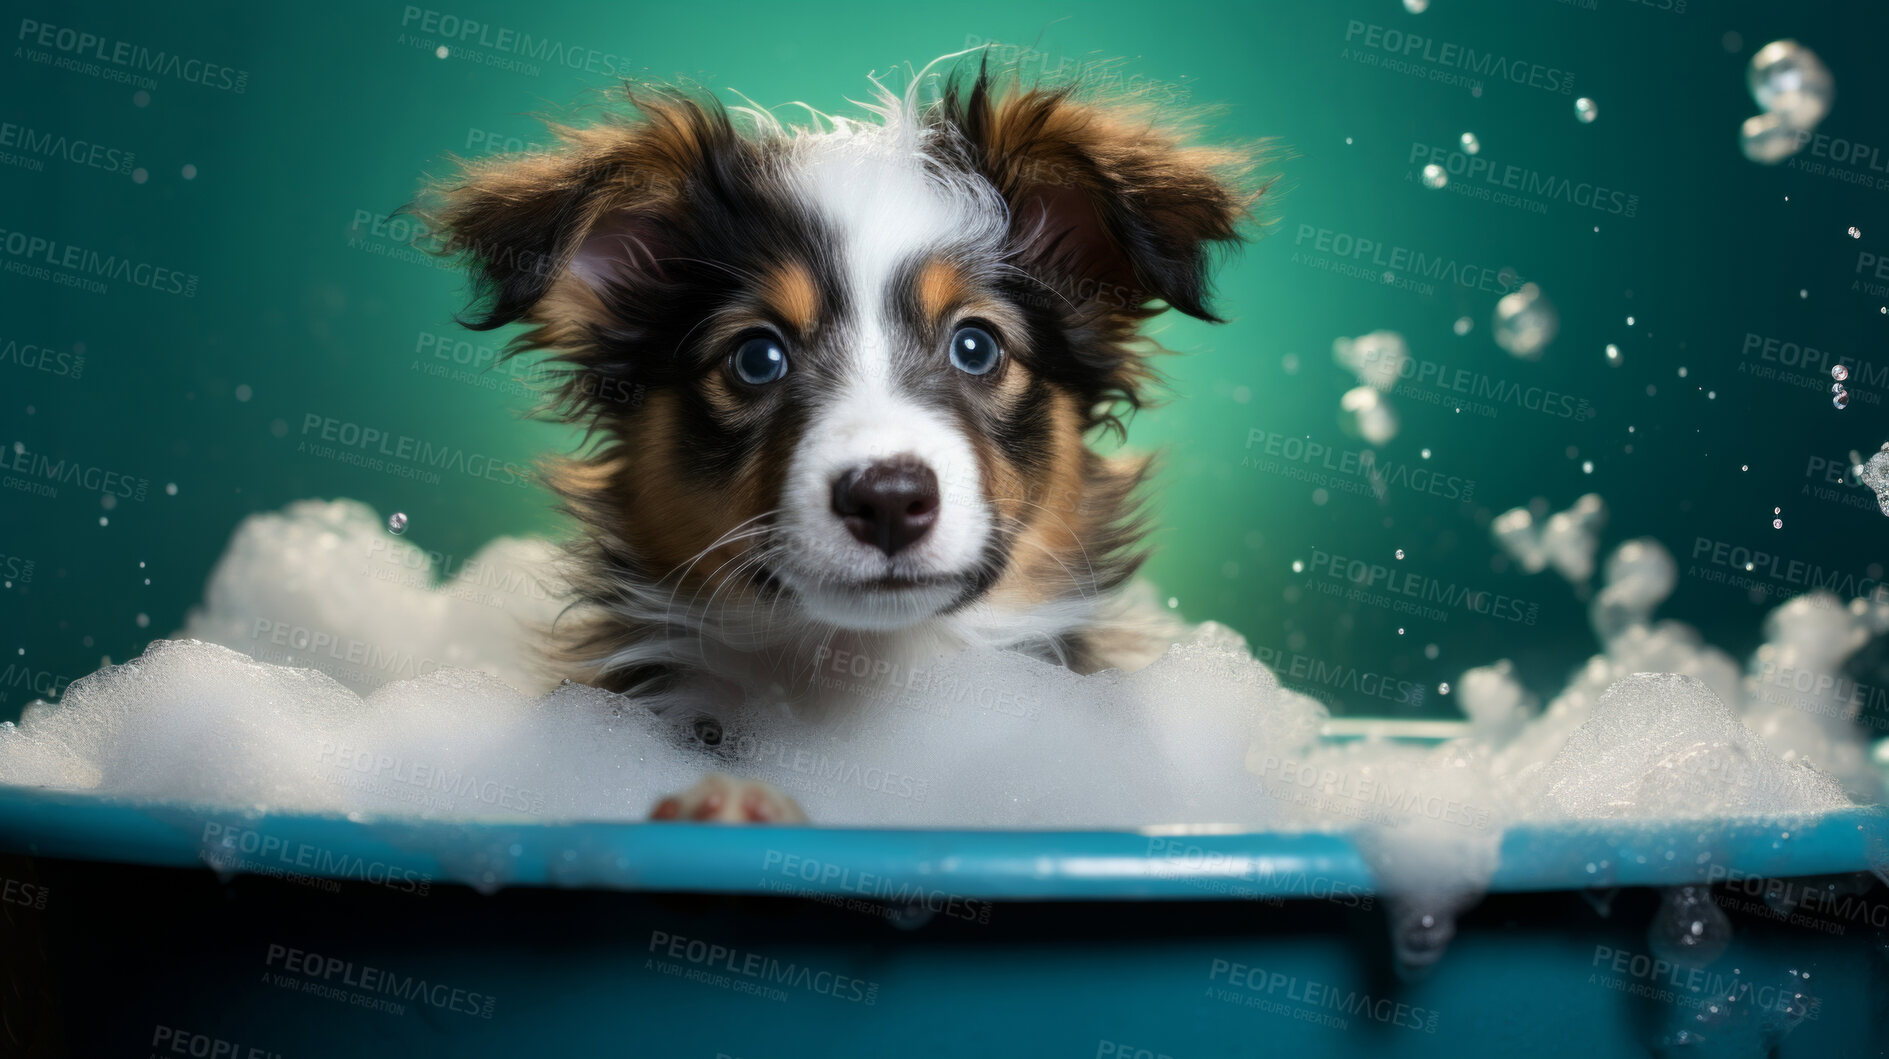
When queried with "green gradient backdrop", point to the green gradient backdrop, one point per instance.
{"points": [[343, 111]]}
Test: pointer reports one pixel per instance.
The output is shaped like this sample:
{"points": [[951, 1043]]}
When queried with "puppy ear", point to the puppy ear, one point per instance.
{"points": [[1105, 198], [594, 211]]}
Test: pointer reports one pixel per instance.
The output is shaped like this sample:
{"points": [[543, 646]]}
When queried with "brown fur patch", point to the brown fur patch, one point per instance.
{"points": [[939, 286], [790, 292]]}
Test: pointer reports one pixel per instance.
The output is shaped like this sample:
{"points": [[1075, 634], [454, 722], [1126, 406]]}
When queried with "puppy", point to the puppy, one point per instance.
{"points": [[838, 379]]}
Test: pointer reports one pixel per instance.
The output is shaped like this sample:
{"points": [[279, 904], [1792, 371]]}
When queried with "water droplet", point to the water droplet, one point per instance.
{"points": [[1435, 177], [397, 522], [1769, 139], [1471, 145], [1839, 373], [1525, 322], [1788, 80], [1855, 232], [1586, 110], [1364, 413], [1689, 930]]}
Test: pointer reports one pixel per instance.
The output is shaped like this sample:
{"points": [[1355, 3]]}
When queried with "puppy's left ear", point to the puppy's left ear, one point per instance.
{"points": [[1107, 201]]}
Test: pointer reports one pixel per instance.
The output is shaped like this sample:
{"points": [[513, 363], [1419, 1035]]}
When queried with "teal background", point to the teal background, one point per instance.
{"points": [[344, 111]]}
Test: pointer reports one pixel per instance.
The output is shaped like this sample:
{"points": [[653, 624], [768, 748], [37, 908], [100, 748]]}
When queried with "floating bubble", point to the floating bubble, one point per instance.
{"points": [[1416, 7], [1787, 79], [1471, 145], [1435, 177], [1777, 523], [1586, 110], [1364, 413], [1400, 553], [1769, 139], [1855, 232], [1841, 400], [1839, 372], [1613, 353], [1525, 322], [1377, 359], [397, 522], [1463, 324]]}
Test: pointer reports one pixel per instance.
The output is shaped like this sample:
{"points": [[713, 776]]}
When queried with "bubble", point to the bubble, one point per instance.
{"points": [[1525, 322], [1463, 324], [1416, 7], [1855, 232], [1400, 553], [1841, 400], [139, 176], [243, 392], [1787, 79], [140, 98], [170, 488], [1613, 353], [1777, 523], [1839, 372], [1689, 930], [442, 51], [1443, 688], [1364, 413], [1587, 466], [1586, 110], [189, 172], [1769, 139], [144, 621], [1471, 145], [397, 522], [1434, 177], [1298, 565]]}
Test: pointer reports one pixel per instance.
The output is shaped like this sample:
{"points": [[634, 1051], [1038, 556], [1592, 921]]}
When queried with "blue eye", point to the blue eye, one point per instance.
{"points": [[974, 351], [759, 361]]}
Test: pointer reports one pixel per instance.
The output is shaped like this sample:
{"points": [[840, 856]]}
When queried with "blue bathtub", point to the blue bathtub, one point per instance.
{"points": [[141, 930]]}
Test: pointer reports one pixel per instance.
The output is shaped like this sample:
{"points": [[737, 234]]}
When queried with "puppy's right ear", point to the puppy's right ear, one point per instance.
{"points": [[593, 213]]}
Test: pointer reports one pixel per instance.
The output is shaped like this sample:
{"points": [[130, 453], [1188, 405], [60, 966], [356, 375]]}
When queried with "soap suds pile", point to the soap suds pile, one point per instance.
{"points": [[379, 693]]}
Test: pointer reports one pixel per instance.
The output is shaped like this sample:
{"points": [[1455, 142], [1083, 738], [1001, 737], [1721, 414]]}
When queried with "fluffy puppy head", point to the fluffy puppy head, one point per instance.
{"points": [[840, 376]]}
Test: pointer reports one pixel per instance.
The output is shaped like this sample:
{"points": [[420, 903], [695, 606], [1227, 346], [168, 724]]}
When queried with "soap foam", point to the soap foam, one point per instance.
{"points": [[402, 698]]}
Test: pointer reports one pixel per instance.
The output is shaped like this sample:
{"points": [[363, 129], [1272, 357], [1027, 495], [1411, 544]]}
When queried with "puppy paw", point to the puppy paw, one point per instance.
{"points": [[726, 800]]}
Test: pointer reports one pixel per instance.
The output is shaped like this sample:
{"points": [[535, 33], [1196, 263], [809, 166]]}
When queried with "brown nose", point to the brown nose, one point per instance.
{"points": [[887, 505]]}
